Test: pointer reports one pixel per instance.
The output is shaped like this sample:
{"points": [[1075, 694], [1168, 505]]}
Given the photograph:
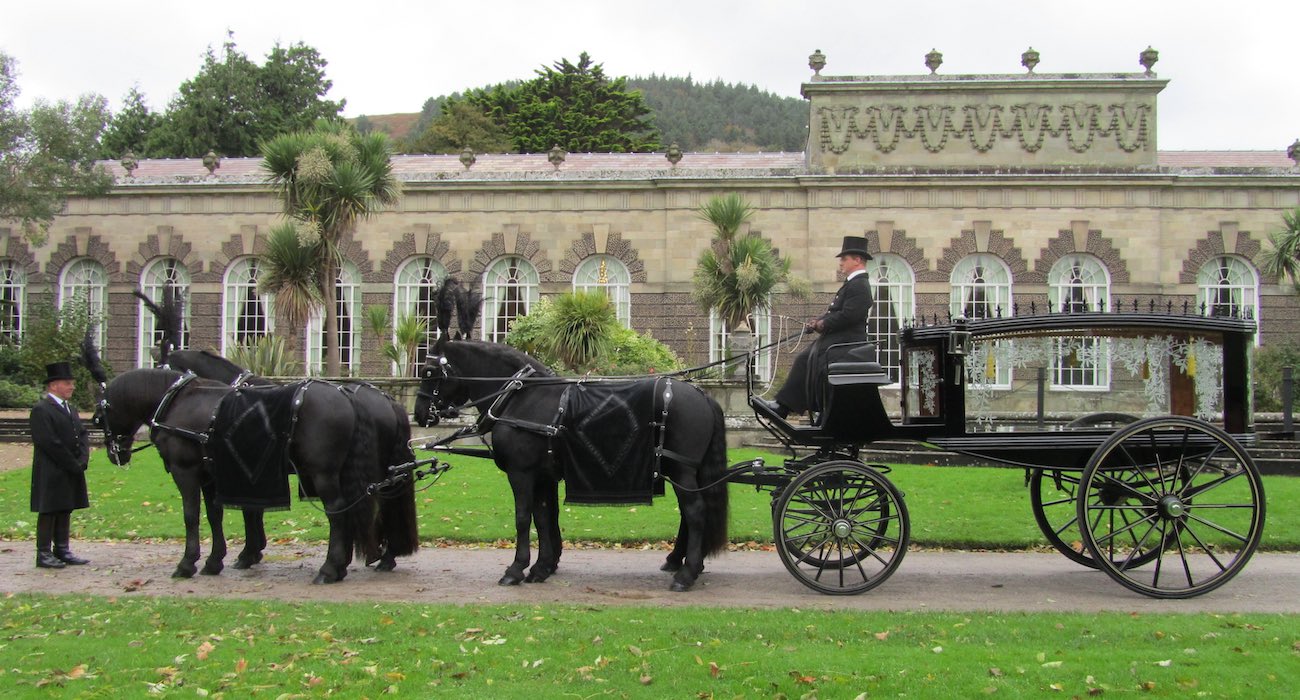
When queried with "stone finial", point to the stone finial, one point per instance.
{"points": [[211, 162], [556, 156], [1029, 59], [817, 61], [467, 157], [1293, 152], [130, 163], [674, 154], [1148, 58], [933, 60]]}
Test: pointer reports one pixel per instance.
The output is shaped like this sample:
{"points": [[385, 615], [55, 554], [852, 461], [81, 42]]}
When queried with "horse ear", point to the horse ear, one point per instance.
{"points": [[440, 345]]}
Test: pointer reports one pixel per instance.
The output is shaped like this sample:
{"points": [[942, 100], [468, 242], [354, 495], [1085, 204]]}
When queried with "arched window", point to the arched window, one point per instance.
{"points": [[159, 278], [247, 313], [509, 291], [85, 279], [13, 297], [894, 287], [760, 324], [1228, 286], [1078, 283], [981, 288], [416, 299], [347, 298], [608, 274]]}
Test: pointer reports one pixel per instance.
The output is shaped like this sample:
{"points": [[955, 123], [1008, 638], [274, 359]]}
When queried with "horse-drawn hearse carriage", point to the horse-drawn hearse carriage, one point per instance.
{"points": [[1170, 506]]}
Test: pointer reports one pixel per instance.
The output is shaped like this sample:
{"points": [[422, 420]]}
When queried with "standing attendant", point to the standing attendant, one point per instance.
{"points": [[60, 455], [845, 321]]}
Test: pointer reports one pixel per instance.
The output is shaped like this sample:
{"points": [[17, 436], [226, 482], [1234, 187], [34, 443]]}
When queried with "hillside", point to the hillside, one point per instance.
{"points": [[714, 116]]}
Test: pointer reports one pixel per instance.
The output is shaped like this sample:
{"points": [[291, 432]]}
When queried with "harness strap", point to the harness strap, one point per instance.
{"points": [[156, 424]]}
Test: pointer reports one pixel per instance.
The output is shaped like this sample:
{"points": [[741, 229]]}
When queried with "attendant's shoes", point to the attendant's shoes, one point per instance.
{"points": [[47, 560], [775, 407], [67, 557]]}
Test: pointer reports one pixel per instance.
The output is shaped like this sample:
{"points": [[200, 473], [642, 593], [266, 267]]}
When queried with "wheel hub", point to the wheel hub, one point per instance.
{"points": [[841, 528], [1172, 507]]}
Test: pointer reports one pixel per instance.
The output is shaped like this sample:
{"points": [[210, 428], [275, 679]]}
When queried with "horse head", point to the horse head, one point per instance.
{"points": [[118, 429], [439, 396]]}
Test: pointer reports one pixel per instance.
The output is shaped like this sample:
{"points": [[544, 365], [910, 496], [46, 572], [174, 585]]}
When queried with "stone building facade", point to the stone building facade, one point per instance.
{"points": [[978, 194]]}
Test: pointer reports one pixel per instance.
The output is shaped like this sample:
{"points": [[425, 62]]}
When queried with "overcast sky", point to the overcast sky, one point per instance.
{"points": [[1233, 66]]}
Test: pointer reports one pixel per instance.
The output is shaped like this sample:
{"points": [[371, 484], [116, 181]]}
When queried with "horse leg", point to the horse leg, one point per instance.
{"points": [[187, 483], [692, 508], [675, 557], [339, 554], [254, 539], [216, 557], [522, 486], [546, 516]]}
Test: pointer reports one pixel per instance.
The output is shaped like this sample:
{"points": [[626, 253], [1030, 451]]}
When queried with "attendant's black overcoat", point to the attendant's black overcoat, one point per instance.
{"points": [[60, 454]]}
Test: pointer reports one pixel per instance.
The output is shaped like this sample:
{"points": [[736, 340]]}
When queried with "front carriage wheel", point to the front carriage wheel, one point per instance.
{"points": [[1175, 493], [841, 528]]}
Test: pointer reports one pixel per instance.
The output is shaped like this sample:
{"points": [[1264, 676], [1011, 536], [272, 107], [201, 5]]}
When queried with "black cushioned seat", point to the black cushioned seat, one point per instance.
{"points": [[839, 373]]}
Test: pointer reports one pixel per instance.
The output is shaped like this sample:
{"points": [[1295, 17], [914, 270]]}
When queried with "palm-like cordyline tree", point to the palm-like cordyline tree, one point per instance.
{"points": [[737, 274], [1283, 260], [329, 179]]}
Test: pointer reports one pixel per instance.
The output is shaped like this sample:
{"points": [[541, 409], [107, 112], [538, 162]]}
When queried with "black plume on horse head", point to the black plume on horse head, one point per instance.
{"points": [[467, 310], [90, 357], [169, 315], [446, 301]]}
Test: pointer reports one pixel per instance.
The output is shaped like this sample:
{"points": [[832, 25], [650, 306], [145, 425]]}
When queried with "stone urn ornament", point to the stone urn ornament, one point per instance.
{"points": [[817, 61], [1148, 58], [933, 60], [1029, 59]]}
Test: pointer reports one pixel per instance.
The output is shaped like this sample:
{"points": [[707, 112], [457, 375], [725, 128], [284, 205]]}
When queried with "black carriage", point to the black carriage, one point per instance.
{"points": [[1171, 506]]}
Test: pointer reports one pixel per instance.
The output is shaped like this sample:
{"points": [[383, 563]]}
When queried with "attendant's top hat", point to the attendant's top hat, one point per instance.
{"points": [[854, 245], [58, 370]]}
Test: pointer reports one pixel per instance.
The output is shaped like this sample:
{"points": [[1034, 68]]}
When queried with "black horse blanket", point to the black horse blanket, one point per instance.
{"points": [[606, 444], [250, 434]]}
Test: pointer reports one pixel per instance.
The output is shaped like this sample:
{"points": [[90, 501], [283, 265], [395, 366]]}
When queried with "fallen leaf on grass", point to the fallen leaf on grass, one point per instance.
{"points": [[204, 649], [714, 670]]}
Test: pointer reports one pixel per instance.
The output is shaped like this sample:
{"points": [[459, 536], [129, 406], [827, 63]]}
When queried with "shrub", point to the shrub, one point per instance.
{"points": [[18, 395], [626, 351], [1266, 374]]}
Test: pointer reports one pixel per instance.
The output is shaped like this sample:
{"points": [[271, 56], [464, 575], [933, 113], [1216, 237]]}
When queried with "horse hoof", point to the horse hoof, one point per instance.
{"points": [[386, 564], [183, 572], [535, 576], [322, 579], [679, 587], [241, 564], [671, 566], [211, 570], [509, 580]]}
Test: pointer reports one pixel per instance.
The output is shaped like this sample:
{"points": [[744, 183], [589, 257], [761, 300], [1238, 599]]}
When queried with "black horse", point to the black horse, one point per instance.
{"points": [[693, 444], [397, 519], [331, 445]]}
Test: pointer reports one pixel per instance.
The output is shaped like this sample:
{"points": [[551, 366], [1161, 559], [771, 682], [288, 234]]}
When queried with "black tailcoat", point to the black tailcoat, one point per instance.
{"points": [[60, 454], [845, 321]]}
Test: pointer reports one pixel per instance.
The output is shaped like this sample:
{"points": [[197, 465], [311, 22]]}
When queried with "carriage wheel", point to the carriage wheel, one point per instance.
{"points": [[841, 528], [1178, 494], [1052, 494]]}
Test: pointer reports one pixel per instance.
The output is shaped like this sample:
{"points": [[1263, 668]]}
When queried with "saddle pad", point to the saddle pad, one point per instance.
{"points": [[247, 447], [606, 444]]}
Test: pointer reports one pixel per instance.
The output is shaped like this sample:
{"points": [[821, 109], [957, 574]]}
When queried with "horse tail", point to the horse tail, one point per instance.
{"points": [[397, 516], [714, 469], [358, 470]]}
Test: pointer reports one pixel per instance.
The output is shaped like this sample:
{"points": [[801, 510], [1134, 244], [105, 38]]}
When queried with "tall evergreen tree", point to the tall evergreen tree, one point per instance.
{"points": [[129, 130], [233, 104], [570, 105]]}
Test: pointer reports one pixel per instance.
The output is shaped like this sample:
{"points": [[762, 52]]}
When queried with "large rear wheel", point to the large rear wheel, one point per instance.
{"points": [[1053, 494], [1174, 493], [841, 528]]}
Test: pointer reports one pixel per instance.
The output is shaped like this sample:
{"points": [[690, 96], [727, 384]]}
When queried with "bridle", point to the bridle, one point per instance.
{"points": [[118, 446], [435, 374]]}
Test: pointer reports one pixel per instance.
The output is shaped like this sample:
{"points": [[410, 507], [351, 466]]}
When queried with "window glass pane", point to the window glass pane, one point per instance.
{"points": [[13, 298], [607, 274], [246, 314], [510, 288], [416, 296], [760, 323], [1079, 283], [981, 288], [894, 288], [85, 279], [347, 297]]}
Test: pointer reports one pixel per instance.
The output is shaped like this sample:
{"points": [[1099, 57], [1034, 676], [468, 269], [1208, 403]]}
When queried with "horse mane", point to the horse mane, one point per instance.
{"points": [[484, 352]]}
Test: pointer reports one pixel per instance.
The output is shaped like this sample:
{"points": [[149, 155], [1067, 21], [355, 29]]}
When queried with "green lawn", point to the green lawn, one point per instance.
{"points": [[951, 507], [75, 646]]}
